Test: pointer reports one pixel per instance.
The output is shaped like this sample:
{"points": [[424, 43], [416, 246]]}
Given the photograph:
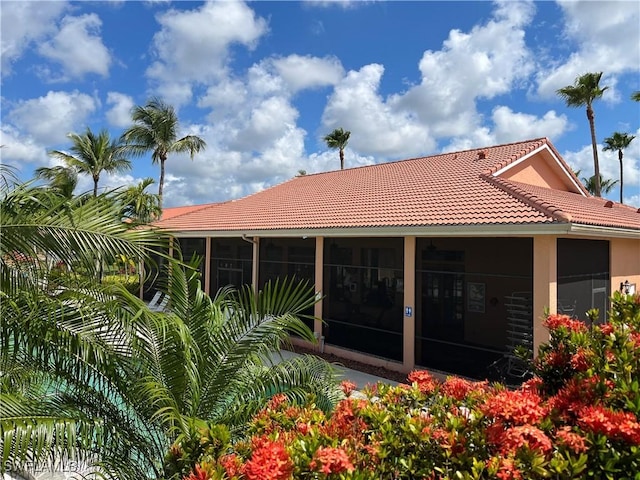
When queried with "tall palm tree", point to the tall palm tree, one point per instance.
{"points": [[94, 154], [139, 205], [88, 372], [62, 180], [338, 139], [155, 130], [618, 141], [606, 184], [583, 92]]}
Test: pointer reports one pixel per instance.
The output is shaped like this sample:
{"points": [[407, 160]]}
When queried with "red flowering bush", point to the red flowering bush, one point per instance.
{"points": [[576, 418]]}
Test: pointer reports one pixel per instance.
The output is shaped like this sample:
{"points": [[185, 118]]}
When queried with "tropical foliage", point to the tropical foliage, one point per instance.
{"points": [[155, 130], [89, 374], [338, 139], [606, 184], [618, 142], [92, 155], [585, 90], [577, 418], [62, 180], [140, 206]]}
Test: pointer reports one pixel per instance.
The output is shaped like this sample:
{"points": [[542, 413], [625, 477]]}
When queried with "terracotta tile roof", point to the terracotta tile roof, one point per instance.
{"points": [[577, 209], [172, 212], [450, 189]]}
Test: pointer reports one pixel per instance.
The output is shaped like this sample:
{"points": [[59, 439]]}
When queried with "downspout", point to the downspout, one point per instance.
{"points": [[254, 264]]}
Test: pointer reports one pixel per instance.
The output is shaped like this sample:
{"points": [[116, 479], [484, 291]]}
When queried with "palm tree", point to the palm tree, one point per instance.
{"points": [[618, 141], [338, 139], [139, 205], [89, 373], [62, 180], [606, 184], [583, 92], [94, 155], [635, 96], [155, 130]]}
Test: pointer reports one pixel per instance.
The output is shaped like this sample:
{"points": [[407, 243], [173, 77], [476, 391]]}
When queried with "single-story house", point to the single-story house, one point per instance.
{"points": [[441, 262]]}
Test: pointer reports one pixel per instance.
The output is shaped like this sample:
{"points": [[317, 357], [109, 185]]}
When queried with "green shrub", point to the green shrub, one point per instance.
{"points": [[577, 418], [130, 282]]}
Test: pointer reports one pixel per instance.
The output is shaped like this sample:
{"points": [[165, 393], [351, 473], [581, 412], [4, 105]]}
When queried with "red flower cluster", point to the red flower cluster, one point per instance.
{"points": [[457, 387], [198, 473], [554, 322], [580, 360], [606, 328], [517, 407], [232, 465], [423, 379], [616, 425], [269, 461], [571, 440], [514, 438], [331, 460], [347, 387]]}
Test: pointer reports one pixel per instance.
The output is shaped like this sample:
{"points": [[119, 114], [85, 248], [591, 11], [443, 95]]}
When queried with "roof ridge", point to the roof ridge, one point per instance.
{"points": [[424, 157], [528, 198], [534, 144]]}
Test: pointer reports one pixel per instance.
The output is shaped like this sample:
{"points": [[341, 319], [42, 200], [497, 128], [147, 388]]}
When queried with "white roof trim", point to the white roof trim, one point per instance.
{"points": [[535, 152]]}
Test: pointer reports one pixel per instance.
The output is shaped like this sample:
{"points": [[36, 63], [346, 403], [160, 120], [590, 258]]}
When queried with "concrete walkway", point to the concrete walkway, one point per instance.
{"points": [[361, 379]]}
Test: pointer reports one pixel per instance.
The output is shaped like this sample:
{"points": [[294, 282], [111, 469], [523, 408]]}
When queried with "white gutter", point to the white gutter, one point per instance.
{"points": [[511, 230]]}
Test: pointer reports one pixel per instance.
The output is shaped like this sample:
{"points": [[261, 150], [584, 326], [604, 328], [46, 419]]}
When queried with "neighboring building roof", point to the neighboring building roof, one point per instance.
{"points": [[524, 183], [172, 212]]}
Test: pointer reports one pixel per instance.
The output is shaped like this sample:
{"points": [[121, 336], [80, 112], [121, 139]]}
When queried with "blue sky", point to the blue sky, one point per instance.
{"points": [[263, 82]]}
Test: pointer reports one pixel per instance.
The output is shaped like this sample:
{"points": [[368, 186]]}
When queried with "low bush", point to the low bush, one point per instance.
{"points": [[130, 282], [576, 418]]}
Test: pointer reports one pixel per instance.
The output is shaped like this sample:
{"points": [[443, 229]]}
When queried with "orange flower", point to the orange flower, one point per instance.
{"points": [[347, 387], [457, 387], [554, 322], [423, 379], [520, 436], [269, 461], [571, 440], [198, 473], [232, 465], [617, 425], [330, 460], [517, 407]]}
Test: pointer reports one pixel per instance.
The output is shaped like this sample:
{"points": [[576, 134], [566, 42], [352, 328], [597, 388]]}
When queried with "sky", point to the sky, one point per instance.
{"points": [[263, 82]]}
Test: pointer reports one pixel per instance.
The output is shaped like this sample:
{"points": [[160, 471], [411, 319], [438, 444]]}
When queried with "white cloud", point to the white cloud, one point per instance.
{"points": [[610, 168], [119, 115], [486, 62], [607, 38], [50, 118], [301, 72], [377, 127], [24, 23], [513, 126], [18, 149], [194, 45], [78, 48]]}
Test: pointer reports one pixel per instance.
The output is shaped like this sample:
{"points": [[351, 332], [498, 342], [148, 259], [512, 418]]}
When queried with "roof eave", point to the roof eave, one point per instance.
{"points": [[601, 231], [490, 230]]}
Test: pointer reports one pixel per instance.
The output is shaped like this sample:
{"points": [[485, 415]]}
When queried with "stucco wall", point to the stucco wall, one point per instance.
{"points": [[625, 262]]}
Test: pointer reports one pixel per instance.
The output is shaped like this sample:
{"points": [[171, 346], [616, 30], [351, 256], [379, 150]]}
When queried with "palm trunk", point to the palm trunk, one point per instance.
{"points": [[95, 187], [161, 183], [594, 147], [341, 159], [621, 176]]}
